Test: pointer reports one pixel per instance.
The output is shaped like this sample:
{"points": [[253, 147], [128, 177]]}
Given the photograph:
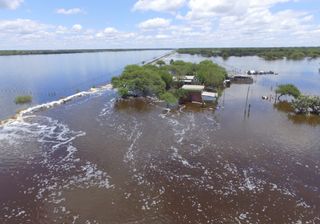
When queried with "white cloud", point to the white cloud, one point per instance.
{"points": [[199, 9], [209, 8], [72, 11], [162, 36], [110, 30], [61, 30], [10, 4], [205, 23], [112, 34], [21, 26], [29, 34], [154, 23], [77, 27], [158, 5]]}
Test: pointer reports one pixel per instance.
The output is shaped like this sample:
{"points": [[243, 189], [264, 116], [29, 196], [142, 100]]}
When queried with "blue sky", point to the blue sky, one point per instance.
{"points": [[35, 24]]}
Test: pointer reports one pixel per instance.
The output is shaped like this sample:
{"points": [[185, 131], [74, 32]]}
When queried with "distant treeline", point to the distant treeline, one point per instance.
{"points": [[76, 51], [293, 53]]}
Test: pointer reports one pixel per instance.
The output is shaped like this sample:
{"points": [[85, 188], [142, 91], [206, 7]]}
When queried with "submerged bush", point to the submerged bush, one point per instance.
{"points": [[180, 93], [307, 104], [169, 98], [23, 99]]}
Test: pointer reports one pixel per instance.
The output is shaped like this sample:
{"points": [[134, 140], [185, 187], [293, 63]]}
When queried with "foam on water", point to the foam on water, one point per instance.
{"points": [[56, 159], [188, 161]]}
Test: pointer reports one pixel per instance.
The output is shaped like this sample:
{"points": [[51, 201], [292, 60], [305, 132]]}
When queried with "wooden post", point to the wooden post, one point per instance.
{"points": [[245, 109]]}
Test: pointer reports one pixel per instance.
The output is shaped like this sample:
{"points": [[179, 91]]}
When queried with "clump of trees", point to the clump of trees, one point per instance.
{"points": [[301, 104], [23, 99], [180, 68], [307, 105], [210, 74], [140, 81], [288, 89], [157, 80]]}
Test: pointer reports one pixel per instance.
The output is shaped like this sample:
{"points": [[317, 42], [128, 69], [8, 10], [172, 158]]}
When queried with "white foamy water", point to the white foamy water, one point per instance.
{"points": [[56, 103], [164, 159], [56, 159]]}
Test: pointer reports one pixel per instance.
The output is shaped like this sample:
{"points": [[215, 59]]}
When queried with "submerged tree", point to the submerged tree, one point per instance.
{"points": [[307, 104], [288, 89]]}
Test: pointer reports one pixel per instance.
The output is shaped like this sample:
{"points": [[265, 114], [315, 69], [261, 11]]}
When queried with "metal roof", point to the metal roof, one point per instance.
{"points": [[210, 94], [193, 87]]}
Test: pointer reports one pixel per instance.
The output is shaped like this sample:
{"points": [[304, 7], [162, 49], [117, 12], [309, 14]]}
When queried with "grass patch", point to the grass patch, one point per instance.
{"points": [[169, 98], [23, 99]]}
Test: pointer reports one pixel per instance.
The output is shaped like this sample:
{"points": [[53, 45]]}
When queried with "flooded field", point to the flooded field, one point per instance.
{"points": [[50, 77], [95, 160]]}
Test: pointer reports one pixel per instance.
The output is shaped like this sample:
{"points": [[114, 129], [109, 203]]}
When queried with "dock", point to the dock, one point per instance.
{"points": [[246, 79]]}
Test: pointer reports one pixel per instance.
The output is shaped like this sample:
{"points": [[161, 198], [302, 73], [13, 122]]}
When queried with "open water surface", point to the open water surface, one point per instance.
{"points": [[96, 160]]}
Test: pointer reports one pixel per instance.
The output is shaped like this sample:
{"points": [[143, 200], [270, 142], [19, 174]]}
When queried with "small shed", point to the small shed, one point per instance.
{"points": [[209, 96], [194, 92]]}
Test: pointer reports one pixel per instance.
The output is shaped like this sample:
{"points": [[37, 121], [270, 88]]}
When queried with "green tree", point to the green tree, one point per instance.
{"points": [[169, 98], [160, 63], [181, 68], [139, 80], [296, 55], [288, 89], [210, 74], [167, 78]]}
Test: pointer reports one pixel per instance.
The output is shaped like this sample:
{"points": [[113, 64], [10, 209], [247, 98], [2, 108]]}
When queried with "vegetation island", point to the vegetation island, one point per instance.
{"points": [[301, 104], [174, 83], [291, 53], [23, 99]]}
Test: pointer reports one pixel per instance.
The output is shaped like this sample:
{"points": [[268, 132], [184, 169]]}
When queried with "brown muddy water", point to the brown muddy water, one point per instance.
{"points": [[95, 160]]}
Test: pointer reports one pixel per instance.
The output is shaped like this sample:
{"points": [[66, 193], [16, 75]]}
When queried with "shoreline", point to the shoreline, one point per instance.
{"points": [[76, 51], [53, 104]]}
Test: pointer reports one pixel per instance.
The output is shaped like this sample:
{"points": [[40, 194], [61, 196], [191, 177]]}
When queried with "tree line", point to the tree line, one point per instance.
{"points": [[292, 53], [70, 51]]}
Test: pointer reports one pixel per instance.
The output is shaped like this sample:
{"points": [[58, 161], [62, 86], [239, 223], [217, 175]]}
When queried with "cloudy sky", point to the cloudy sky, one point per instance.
{"points": [[39, 24]]}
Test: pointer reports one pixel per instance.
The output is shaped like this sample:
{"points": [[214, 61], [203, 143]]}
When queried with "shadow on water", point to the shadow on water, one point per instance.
{"points": [[312, 120], [134, 105], [146, 105], [198, 108], [284, 106]]}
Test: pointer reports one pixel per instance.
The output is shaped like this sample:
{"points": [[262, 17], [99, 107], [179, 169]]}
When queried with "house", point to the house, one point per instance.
{"points": [[188, 79], [194, 93]]}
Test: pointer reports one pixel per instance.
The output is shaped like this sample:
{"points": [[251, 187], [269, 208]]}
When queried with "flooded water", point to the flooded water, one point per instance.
{"points": [[95, 160], [50, 77]]}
